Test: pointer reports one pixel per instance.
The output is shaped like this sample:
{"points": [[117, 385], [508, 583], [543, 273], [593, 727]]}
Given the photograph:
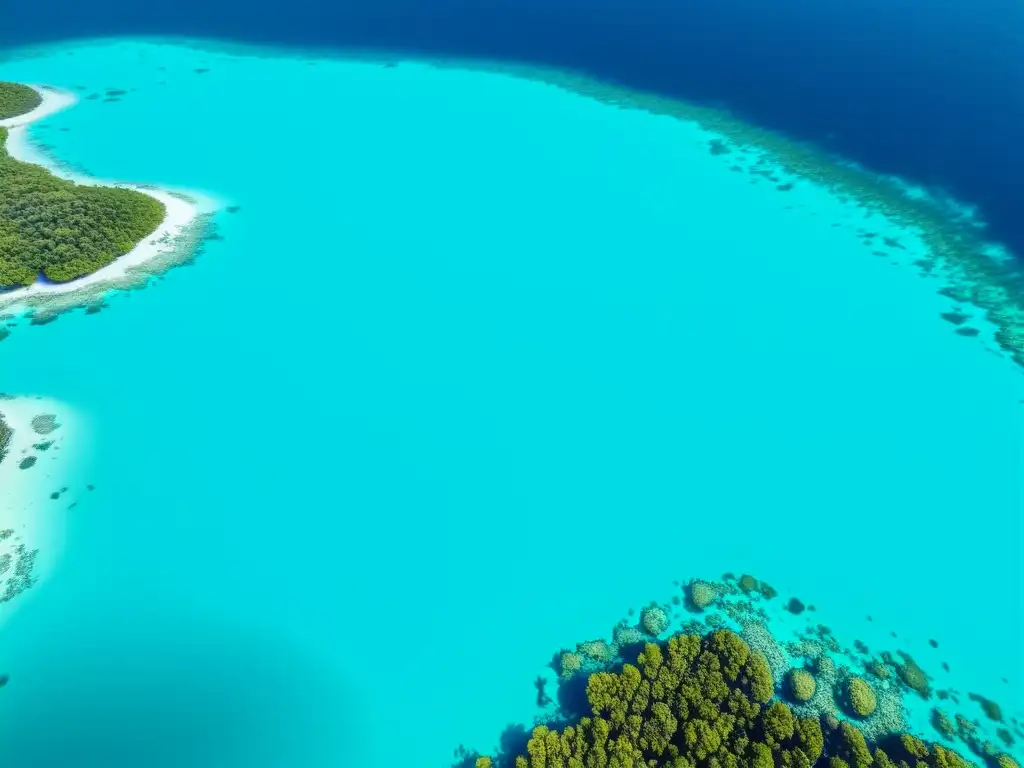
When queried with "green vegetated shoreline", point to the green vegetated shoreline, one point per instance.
{"points": [[17, 99], [722, 693], [60, 229]]}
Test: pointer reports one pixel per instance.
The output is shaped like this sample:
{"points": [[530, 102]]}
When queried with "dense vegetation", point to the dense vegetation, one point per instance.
{"points": [[64, 230], [17, 99], [709, 702]]}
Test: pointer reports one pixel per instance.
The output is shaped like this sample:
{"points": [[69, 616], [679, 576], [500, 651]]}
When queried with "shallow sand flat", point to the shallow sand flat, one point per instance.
{"points": [[40, 462]]}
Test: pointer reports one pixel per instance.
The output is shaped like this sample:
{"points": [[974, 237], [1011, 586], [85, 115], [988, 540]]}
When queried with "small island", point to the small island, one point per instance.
{"points": [[17, 99], [55, 228]]}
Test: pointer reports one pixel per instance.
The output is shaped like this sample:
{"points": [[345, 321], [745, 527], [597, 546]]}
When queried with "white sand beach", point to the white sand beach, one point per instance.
{"points": [[177, 233], [41, 459]]}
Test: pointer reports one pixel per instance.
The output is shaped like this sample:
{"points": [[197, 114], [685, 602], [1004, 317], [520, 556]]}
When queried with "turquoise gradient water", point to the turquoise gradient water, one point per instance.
{"points": [[479, 365]]}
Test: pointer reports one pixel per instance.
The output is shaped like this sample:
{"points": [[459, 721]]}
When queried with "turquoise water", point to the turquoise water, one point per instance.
{"points": [[479, 365]]}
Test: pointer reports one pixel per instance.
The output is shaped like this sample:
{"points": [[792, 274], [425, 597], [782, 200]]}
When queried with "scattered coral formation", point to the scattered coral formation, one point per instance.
{"points": [[747, 583], [702, 594], [44, 423], [654, 620], [5, 438], [709, 697], [859, 697], [990, 708], [691, 701], [570, 664], [878, 669], [913, 676], [22, 578], [943, 724], [801, 685], [708, 702]]}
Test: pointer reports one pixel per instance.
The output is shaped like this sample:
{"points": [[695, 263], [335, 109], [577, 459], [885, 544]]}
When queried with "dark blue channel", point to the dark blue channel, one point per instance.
{"points": [[931, 90]]}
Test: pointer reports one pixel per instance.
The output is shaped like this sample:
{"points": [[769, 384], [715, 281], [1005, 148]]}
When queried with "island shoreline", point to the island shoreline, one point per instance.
{"points": [[186, 219]]}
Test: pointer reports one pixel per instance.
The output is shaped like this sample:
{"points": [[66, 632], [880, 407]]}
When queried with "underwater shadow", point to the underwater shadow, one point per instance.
{"points": [[201, 693]]}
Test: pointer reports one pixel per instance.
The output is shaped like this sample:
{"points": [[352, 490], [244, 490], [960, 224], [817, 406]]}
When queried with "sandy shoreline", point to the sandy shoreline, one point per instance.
{"points": [[39, 458], [169, 244]]}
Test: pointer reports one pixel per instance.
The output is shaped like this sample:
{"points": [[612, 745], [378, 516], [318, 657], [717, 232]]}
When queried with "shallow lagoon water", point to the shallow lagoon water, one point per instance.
{"points": [[478, 365]]}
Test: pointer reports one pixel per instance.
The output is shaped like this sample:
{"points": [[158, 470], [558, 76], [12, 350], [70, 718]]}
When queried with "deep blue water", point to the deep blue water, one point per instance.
{"points": [[932, 91]]}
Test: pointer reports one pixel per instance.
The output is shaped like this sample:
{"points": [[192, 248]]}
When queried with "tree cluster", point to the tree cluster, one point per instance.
{"points": [[708, 702], [62, 230], [17, 99]]}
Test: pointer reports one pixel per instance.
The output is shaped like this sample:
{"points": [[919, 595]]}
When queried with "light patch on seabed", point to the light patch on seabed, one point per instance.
{"points": [[36, 478]]}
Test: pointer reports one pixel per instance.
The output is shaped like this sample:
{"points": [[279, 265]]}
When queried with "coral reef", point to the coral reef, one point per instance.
{"points": [[760, 639], [911, 674], [654, 620], [800, 685], [5, 438], [707, 702], [701, 594], [747, 583], [990, 708], [44, 423], [714, 697], [22, 578], [878, 669], [569, 664], [943, 724], [624, 635], [596, 650], [767, 590], [858, 697]]}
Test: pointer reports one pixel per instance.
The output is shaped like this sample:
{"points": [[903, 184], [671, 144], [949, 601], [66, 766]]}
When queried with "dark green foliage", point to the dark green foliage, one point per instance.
{"points": [[64, 230], [706, 702], [685, 704], [17, 99]]}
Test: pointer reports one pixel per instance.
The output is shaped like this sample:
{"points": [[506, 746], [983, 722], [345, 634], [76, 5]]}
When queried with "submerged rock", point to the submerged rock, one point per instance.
{"points": [[801, 685], [858, 697], [653, 620], [701, 594]]}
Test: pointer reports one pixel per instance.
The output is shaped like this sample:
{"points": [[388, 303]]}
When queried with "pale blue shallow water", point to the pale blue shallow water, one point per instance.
{"points": [[479, 365]]}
